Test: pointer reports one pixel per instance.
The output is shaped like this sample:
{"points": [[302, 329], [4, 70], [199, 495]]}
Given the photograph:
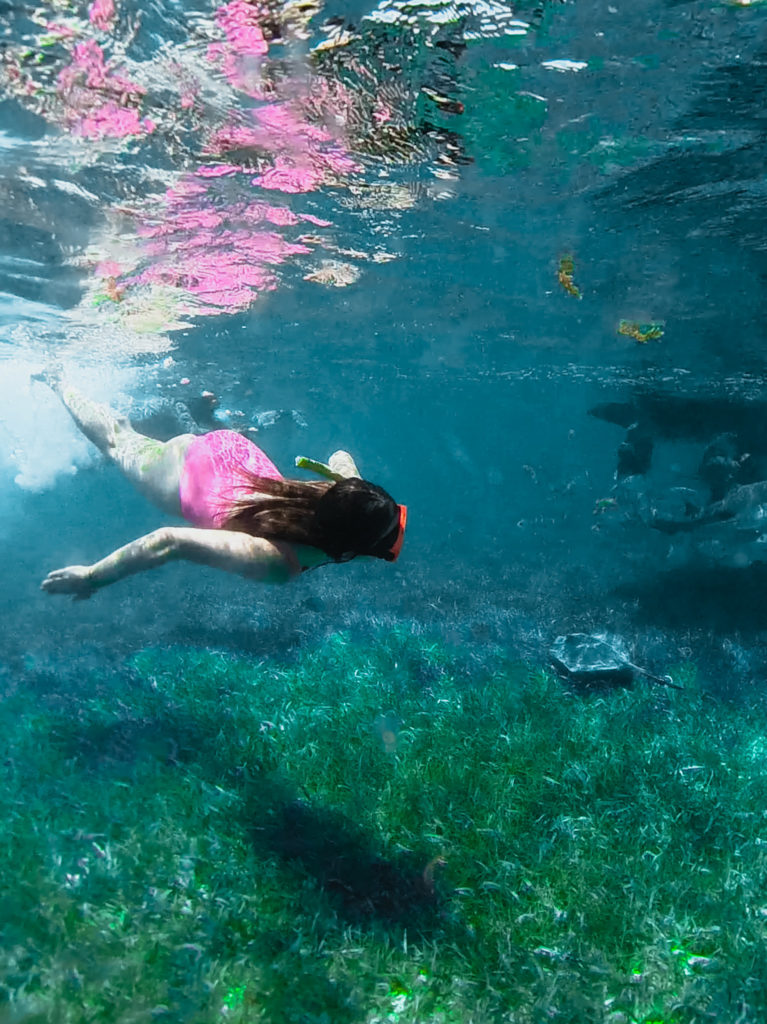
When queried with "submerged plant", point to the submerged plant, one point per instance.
{"points": [[371, 833]]}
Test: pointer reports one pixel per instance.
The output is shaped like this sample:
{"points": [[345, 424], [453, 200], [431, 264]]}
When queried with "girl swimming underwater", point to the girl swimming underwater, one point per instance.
{"points": [[246, 517]]}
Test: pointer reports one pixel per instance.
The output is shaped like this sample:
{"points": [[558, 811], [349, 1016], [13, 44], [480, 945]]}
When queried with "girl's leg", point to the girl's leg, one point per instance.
{"points": [[153, 467]]}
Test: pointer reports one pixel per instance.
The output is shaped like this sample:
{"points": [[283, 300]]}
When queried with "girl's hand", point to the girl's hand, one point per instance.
{"points": [[75, 580]]}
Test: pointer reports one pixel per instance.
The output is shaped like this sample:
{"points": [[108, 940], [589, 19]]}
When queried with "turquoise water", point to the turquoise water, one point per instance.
{"points": [[443, 236]]}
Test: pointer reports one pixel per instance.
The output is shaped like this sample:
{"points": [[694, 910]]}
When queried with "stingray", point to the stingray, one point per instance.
{"points": [[599, 657]]}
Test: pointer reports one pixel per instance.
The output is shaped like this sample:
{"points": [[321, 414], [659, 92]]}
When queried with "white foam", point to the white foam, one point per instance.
{"points": [[38, 439]]}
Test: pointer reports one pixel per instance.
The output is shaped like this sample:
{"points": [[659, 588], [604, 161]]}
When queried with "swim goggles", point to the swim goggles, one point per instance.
{"points": [[393, 553]]}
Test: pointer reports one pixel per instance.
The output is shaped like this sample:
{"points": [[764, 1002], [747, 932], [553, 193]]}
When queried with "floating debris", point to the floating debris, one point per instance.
{"points": [[334, 273], [641, 332], [564, 65], [446, 103], [565, 275]]}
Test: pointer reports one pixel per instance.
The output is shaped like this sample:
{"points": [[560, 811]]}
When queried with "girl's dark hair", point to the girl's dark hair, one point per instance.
{"points": [[344, 519]]}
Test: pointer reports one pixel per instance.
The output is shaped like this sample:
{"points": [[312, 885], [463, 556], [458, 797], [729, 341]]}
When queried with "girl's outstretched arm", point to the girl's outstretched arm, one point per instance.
{"points": [[252, 557]]}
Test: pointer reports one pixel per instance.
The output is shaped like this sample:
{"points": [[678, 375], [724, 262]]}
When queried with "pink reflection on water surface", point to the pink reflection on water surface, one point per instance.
{"points": [[205, 244], [102, 14], [97, 100], [222, 256]]}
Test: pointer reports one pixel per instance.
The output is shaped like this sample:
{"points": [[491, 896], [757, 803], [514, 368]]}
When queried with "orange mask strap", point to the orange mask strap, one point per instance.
{"points": [[397, 545]]}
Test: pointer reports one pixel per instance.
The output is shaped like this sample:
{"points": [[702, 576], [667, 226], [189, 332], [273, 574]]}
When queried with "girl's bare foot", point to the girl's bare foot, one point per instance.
{"points": [[52, 374]]}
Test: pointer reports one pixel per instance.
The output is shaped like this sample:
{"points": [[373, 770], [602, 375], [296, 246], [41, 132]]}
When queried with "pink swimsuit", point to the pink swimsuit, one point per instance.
{"points": [[210, 478]]}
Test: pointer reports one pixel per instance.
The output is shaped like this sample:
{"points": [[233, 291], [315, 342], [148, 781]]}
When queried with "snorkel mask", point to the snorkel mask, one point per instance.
{"points": [[324, 469], [393, 553]]}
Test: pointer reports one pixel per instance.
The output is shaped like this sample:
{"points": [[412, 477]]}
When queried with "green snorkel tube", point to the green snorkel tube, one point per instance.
{"points": [[340, 466]]}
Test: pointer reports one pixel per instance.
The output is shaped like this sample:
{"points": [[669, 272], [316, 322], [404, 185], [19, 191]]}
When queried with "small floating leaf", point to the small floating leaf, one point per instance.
{"points": [[565, 275], [641, 332]]}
